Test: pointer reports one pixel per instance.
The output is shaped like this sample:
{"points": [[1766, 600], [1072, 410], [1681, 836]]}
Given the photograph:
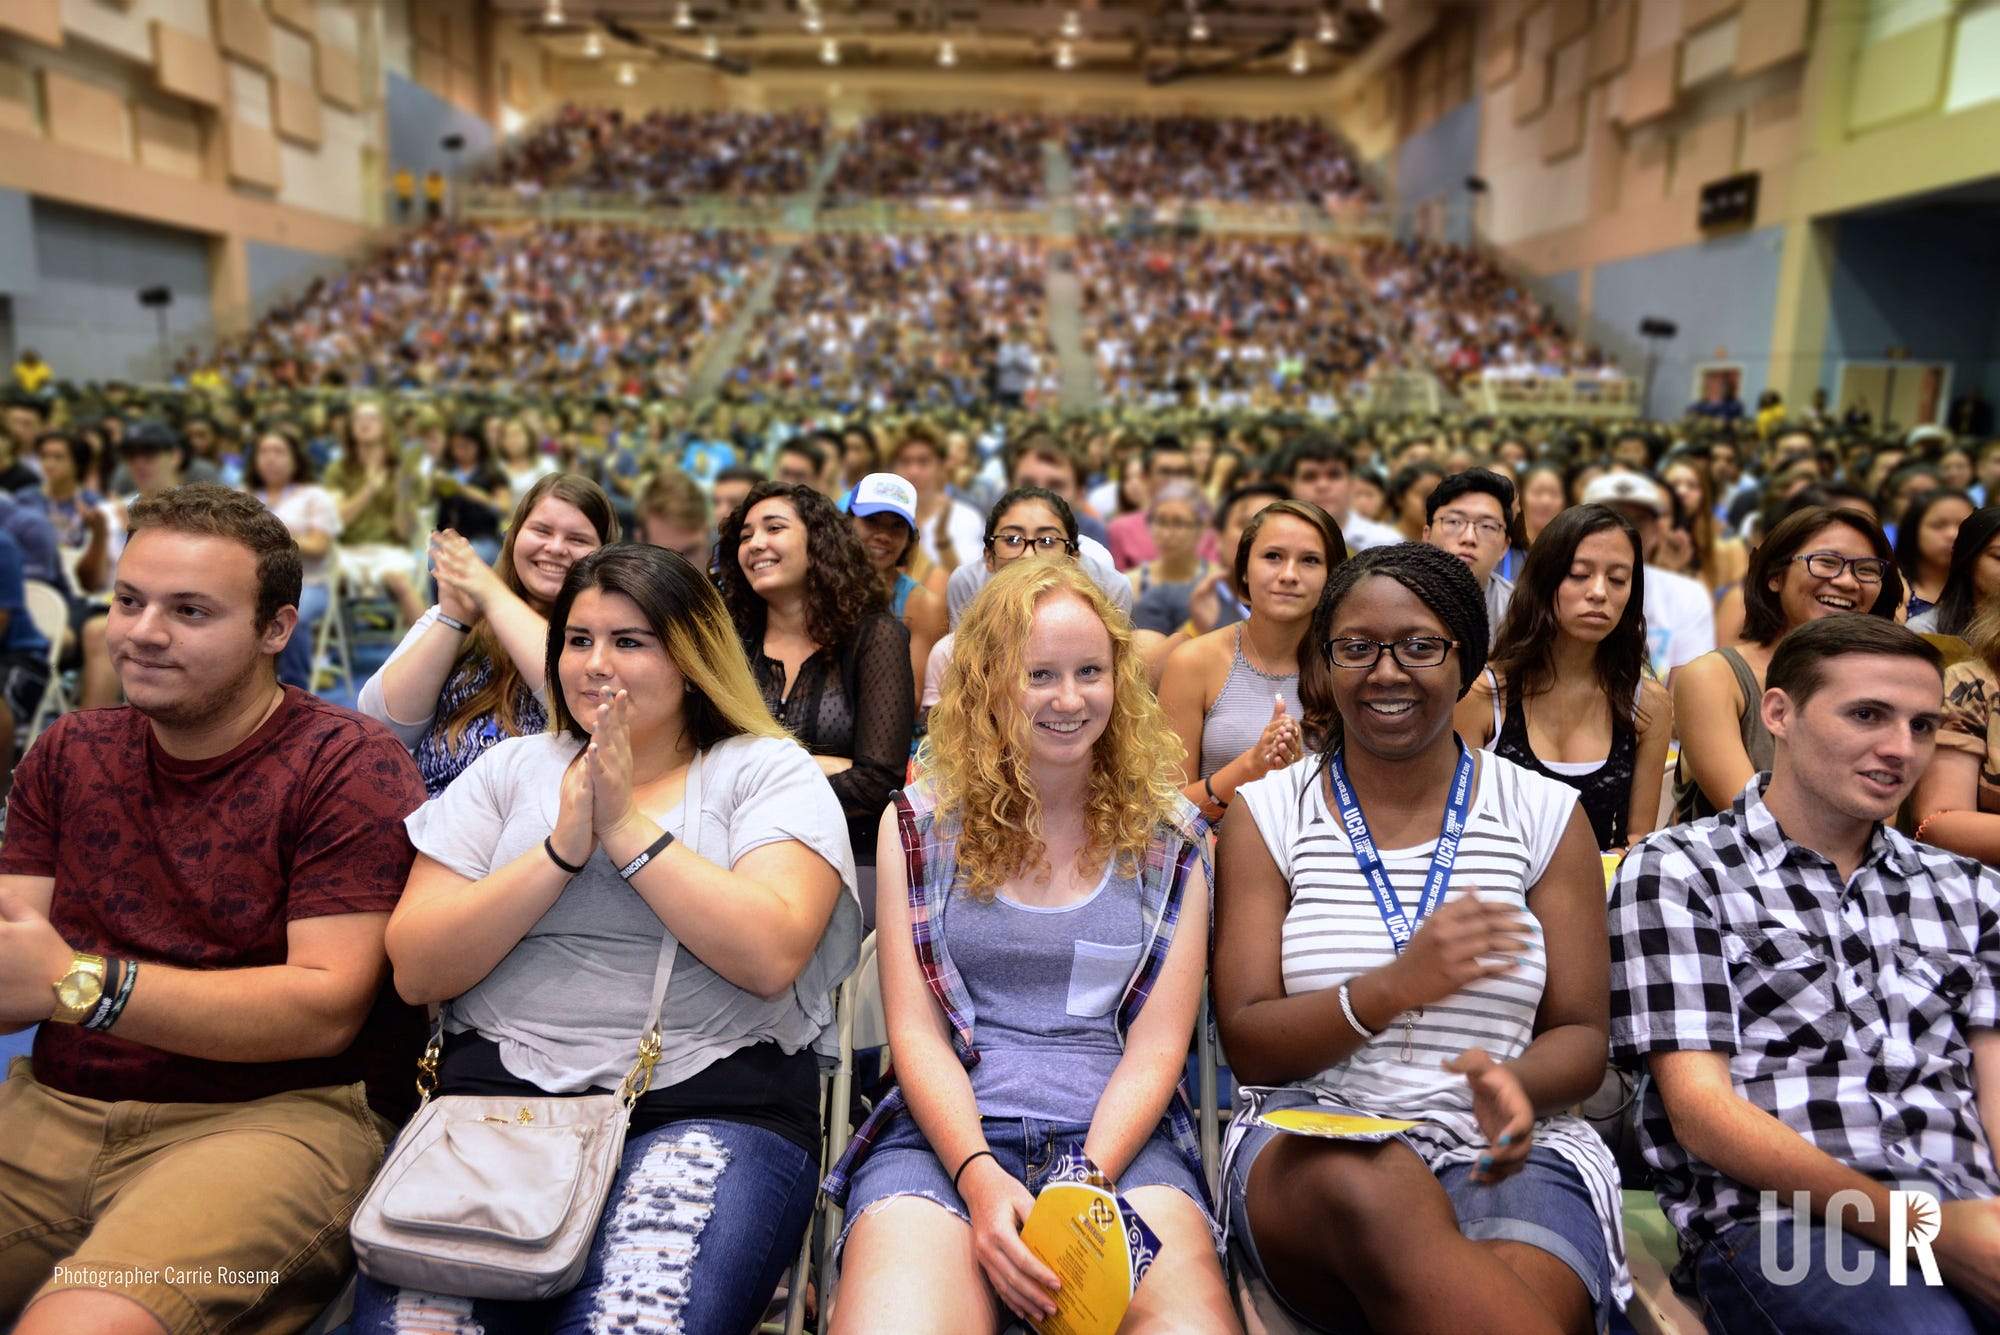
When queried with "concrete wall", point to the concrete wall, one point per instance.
{"points": [[83, 313], [278, 272], [17, 242], [1433, 163], [1720, 293]]}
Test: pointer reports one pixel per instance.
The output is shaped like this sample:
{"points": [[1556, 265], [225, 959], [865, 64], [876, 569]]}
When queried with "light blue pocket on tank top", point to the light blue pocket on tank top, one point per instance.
{"points": [[1098, 974]]}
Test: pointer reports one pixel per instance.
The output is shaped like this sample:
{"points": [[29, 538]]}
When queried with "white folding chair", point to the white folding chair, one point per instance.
{"points": [[49, 610], [333, 655]]}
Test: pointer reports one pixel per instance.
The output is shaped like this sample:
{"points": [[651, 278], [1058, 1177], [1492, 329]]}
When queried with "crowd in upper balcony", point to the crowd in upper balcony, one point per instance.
{"points": [[664, 157]]}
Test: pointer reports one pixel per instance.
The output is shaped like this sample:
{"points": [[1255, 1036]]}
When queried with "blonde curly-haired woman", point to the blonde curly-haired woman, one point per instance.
{"points": [[1043, 917]]}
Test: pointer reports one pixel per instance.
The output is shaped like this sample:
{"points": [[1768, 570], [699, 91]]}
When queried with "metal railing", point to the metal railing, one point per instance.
{"points": [[1584, 394]]}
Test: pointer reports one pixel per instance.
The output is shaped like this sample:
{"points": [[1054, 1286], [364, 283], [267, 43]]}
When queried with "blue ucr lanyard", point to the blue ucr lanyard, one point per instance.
{"points": [[1437, 880]]}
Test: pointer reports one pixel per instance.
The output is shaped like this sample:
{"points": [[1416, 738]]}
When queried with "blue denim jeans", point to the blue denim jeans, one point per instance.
{"points": [[702, 1219], [295, 659], [1737, 1297]]}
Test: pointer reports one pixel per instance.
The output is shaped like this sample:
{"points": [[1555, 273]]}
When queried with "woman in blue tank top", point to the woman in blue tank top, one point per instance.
{"points": [[1041, 969]]}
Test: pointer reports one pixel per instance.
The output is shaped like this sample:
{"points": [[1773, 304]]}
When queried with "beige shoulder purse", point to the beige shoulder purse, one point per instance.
{"points": [[499, 1197]]}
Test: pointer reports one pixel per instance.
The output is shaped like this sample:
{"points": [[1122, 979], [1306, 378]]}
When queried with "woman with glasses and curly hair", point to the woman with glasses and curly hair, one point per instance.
{"points": [[1410, 930], [1565, 692], [832, 663], [1815, 563], [1044, 916]]}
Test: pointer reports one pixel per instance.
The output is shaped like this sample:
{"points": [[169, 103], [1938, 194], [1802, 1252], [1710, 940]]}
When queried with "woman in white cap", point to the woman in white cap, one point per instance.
{"points": [[884, 507]]}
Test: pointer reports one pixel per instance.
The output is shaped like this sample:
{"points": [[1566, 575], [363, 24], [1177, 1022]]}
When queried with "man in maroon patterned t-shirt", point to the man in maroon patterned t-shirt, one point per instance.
{"points": [[193, 893]]}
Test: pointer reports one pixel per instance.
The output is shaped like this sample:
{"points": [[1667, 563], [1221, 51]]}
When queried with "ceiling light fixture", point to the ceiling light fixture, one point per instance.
{"points": [[814, 23], [683, 17], [1301, 61], [553, 16], [710, 48], [947, 54], [1198, 27], [1327, 33], [1065, 56], [829, 52], [1072, 25], [627, 75], [593, 47]]}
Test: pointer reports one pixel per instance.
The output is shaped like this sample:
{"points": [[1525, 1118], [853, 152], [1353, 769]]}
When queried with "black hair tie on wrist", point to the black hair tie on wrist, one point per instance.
{"points": [[549, 847]]}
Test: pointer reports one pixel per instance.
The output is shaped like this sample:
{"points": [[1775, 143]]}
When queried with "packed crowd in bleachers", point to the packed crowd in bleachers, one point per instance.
{"points": [[664, 158], [936, 318], [575, 308], [1234, 321], [1466, 317], [984, 158], [1151, 161]]}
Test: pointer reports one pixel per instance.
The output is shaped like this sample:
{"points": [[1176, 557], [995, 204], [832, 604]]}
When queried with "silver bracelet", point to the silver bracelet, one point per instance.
{"points": [[1347, 1009]]}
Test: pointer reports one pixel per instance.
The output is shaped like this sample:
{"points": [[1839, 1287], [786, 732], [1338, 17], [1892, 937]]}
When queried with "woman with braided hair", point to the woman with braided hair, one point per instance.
{"points": [[1409, 929]]}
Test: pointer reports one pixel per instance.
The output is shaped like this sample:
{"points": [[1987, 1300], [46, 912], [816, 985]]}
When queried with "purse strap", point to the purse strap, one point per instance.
{"points": [[651, 1044]]}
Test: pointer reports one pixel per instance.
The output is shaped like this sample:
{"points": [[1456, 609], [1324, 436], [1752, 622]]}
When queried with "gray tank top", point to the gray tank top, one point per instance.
{"points": [[1241, 710], [1690, 803], [1045, 986]]}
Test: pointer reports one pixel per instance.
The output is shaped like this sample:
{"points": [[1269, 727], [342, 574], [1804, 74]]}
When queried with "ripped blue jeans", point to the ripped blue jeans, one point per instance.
{"points": [[702, 1219]]}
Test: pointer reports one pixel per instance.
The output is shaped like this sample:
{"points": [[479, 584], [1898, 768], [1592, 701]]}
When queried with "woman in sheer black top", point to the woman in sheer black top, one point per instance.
{"points": [[833, 664]]}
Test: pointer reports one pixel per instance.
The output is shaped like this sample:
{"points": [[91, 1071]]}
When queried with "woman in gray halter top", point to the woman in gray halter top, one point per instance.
{"points": [[1233, 694]]}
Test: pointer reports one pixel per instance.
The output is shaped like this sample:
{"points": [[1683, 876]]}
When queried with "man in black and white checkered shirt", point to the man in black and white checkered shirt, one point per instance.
{"points": [[1815, 997]]}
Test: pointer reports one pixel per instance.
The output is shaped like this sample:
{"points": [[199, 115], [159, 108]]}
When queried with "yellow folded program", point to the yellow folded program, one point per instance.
{"points": [[1099, 1248], [1333, 1126]]}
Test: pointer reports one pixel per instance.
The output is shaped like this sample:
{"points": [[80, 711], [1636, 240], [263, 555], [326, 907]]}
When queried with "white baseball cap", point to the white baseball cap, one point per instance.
{"points": [[1628, 489], [883, 493]]}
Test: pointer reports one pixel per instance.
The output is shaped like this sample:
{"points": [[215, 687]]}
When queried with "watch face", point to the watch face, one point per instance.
{"points": [[79, 988]]}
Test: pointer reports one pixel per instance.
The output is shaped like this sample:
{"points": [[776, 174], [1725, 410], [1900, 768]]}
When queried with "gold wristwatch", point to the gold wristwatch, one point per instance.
{"points": [[79, 990]]}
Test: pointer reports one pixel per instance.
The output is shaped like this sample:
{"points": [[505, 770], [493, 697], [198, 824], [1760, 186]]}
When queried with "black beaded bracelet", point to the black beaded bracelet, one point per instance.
{"points": [[653, 850], [549, 847]]}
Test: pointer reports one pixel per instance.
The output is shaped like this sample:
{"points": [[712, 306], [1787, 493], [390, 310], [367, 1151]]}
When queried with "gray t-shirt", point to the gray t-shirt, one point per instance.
{"points": [[566, 1004], [970, 578], [1045, 984]]}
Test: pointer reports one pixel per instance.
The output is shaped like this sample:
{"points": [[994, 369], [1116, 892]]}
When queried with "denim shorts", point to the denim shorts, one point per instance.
{"points": [[1545, 1205], [902, 1164]]}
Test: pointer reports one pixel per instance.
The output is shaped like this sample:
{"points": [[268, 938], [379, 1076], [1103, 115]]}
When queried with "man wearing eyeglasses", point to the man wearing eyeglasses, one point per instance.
{"points": [[1467, 515]]}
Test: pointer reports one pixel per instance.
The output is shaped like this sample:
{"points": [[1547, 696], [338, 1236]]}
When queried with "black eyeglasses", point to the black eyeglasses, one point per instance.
{"points": [[1829, 565], [1419, 651], [1013, 543]]}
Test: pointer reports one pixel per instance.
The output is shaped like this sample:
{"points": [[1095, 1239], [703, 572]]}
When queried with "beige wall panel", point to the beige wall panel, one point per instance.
{"points": [[329, 180], [168, 141], [1774, 133], [339, 25], [434, 71], [1656, 27], [1701, 13], [1643, 179], [1571, 21], [295, 14], [1900, 76], [429, 24], [1650, 87], [17, 99], [464, 87], [1975, 60], [298, 113], [462, 40], [1562, 128], [253, 155], [1709, 54], [292, 57], [38, 20], [1458, 42], [1566, 70], [1611, 40], [1429, 66], [1773, 31], [243, 30], [1706, 152], [1531, 90], [339, 76], [249, 95], [84, 116], [187, 66], [1503, 57]]}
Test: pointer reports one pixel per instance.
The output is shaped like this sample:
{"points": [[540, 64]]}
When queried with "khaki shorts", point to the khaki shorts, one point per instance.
{"points": [[225, 1217]]}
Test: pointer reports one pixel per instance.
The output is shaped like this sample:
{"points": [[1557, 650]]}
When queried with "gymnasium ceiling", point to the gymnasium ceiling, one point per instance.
{"points": [[1164, 40]]}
